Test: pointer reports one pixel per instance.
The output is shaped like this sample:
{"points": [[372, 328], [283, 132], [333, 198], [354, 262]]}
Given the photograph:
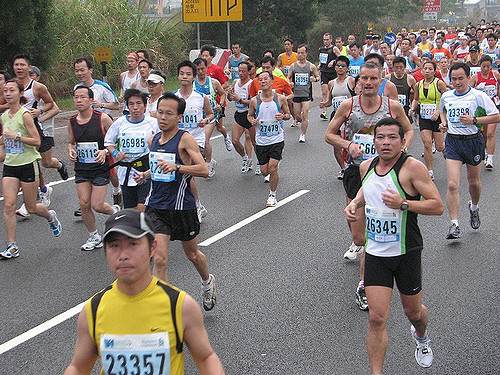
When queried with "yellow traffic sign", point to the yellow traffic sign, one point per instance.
{"points": [[212, 10], [102, 54]]}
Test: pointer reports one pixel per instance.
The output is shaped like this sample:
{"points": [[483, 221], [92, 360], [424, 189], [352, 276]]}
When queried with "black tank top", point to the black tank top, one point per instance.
{"points": [[403, 88], [89, 133]]}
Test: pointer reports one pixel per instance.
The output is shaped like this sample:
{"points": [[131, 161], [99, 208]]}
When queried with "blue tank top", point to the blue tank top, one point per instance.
{"points": [[207, 89], [234, 66], [382, 87], [174, 194]]}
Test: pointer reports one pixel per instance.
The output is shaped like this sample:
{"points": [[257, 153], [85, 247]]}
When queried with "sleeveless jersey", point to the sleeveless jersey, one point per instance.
{"points": [[16, 152], [46, 126], [269, 130], [169, 191], [489, 85], [429, 101], [403, 90], [89, 138], [389, 232], [242, 92], [409, 63], [32, 103], [340, 92], [208, 89], [234, 66], [138, 334], [302, 80], [355, 66], [325, 56], [425, 47], [359, 126], [127, 81], [462, 53], [495, 55], [287, 62], [381, 89], [192, 115]]}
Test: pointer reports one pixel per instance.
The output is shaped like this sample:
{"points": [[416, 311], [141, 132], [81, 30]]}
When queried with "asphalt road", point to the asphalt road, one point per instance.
{"points": [[286, 296]]}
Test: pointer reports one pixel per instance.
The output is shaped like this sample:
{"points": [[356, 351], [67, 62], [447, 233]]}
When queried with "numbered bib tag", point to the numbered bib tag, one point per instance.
{"points": [[474, 70], [234, 73], [269, 128], [135, 354], [286, 70], [354, 71], [13, 147], [438, 56], [133, 142], [454, 111], [427, 110], [367, 145], [301, 79], [243, 96], [490, 90], [189, 120], [336, 102], [86, 152], [402, 99], [156, 173], [323, 58], [383, 225]]}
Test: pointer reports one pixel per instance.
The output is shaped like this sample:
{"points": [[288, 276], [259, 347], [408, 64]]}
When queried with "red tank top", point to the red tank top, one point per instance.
{"points": [[488, 86]]}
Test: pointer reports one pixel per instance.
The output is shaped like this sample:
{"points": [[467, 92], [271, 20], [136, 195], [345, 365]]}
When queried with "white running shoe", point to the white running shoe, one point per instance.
{"points": [[250, 164], [267, 179], [211, 168], [229, 144], [257, 170], [245, 165], [202, 211], [23, 212], [352, 252], [116, 208], [431, 174], [92, 243], [272, 201], [55, 224], [45, 197], [423, 351], [302, 138], [209, 297]]}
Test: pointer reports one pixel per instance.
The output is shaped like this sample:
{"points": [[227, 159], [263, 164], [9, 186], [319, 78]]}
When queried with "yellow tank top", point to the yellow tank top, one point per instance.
{"points": [[425, 47], [433, 94], [138, 333], [285, 61]]}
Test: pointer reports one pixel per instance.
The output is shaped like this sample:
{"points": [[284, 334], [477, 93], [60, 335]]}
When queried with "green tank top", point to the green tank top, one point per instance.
{"points": [[433, 94], [16, 152]]}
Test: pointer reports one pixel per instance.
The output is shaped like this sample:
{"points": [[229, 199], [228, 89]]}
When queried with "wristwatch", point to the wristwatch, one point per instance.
{"points": [[102, 105], [404, 206], [106, 151], [474, 121], [177, 167], [17, 137]]}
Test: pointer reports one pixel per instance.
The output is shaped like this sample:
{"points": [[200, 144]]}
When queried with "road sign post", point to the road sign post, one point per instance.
{"points": [[102, 55]]}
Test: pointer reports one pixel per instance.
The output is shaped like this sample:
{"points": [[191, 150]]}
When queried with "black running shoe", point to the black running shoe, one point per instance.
{"points": [[63, 171]]}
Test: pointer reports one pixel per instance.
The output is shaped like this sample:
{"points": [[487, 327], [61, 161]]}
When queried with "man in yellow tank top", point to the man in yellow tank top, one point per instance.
{"points": [[139, 323], [287, 58]]}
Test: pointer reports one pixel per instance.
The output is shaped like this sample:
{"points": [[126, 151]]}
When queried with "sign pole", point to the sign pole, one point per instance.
{"points": [[228, 35], [104, 72], [198, 34]]}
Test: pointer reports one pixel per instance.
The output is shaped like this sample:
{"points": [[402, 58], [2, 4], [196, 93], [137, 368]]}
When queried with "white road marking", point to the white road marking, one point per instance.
{"points": [[254, 217]]}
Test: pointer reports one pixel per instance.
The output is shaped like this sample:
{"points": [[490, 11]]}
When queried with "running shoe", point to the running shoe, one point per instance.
{"points": [[77, 212], [245, 165], [250, 164], [475, 223], [10, 251], [431, 175], [63, 171], [209, 297], [257, 170], [453, 232], [55, 224], [272, 201], [211, 168], [92, 243], [323, 116], [115, 208], [45, 197], [23, 212], [488, 165], [352, 251], [267, 179], [423, 351], [361, 299], [229, 144], [302, 138], [340, 175], [117, 199]]}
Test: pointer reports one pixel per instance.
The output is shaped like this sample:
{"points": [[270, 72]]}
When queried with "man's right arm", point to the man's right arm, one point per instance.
{"points": [[331, 135], [85, 351]]}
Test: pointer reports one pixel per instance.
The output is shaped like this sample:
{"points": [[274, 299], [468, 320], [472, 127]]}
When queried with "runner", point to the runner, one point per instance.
{"points": [[129, 77], [368, 44], [413, 47], [197, 115], [393, 185], [212, 89], [463, 111], [386, 88], [339, 43], [267, 111], [439, 51], [302, 74], [19, 144], [174, 160], [403, 81], [235, 59], [144, 67], [472, 60], [425, 104], [126, 140], [287, 58], [462, 51], [425, 44], [358, 117], [156, 82], [487, 81], [355, 60], [444, 68], [375, 48], [127, 312], [238, 92], [327, 56], [385, 51], [412, 60], [419, 75], [86, 149], [492, 50], [143, 54]]}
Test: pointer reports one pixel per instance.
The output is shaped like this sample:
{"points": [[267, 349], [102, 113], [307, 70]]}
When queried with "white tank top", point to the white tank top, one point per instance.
{"points": [[30, 96], [193, 115], [269, 130], [127, 81], [340, 92], [242, 92]]}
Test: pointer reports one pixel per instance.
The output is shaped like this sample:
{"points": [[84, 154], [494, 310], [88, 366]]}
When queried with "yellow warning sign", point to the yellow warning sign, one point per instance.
{"points": [[102, 54], [212, 10]]}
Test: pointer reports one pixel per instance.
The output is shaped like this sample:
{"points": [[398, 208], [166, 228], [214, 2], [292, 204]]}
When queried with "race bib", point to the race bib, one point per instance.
{"points": [[354, 71], [438, 56], [238, 105], [133, 142], [336, 102], [286, 70], [269, 128], [427, 110], [189, 120], [382, 225], [474, 70], [301, 79], [402, 100], [86, 152], [323, 58], [234, 73], [135, 354], [156, 173], [13, 147], [490, 90], [455, 110], [367, 145]]}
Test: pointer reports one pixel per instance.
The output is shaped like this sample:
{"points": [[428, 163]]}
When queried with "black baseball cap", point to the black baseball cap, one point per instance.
{"points": [[131, 223], [474, 48]]}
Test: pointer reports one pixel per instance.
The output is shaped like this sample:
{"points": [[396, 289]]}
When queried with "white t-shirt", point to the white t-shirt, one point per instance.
{"points": [[102, 93]]}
